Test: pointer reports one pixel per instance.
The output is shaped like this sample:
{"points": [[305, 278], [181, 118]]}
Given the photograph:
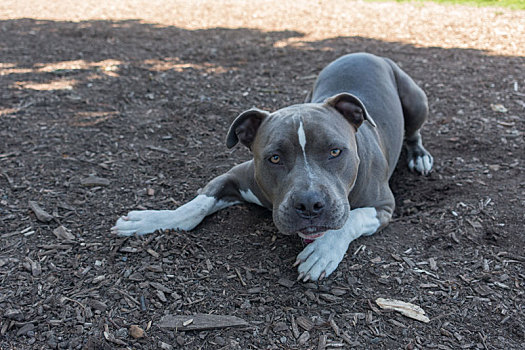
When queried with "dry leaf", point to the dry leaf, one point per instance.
{"points": [[406, 309]]}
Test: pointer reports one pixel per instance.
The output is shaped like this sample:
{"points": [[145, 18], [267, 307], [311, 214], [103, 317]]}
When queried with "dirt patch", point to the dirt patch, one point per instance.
{"points": [[107, 114]]}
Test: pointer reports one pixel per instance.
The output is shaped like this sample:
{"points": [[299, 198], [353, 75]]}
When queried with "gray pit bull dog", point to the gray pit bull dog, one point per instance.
{"points": [[322, 167]]}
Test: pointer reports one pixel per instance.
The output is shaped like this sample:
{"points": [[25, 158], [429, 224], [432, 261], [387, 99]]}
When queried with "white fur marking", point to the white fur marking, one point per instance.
{"points": [[184, 218], [302, 141], [422, 165], [364, 221], [248, 196], [302, 136], [326, 252]]}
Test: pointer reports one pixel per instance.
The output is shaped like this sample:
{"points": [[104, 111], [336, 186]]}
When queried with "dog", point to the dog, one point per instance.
{"points": [[322, 167]]}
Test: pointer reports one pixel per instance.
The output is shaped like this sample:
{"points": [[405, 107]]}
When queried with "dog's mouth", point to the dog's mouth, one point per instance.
{"points": [[310, 234]]}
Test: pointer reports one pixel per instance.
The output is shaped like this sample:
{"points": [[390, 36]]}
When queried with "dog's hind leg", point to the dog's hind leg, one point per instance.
{"points": [[415, 112]]}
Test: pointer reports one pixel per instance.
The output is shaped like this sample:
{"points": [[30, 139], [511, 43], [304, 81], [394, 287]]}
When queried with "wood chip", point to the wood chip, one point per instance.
{"points": [[483, 290], [285, 282], [200, 322], [128, 250], [14, 314], [335, 344], [35, 267], [161, 296], [40, 213], [63, 233], [322, 342], [240, 277], [409, 262], [97, 305], [153, 253], [255, 290], [330, 298], [111, 338], [160, 287], [335, 327], [166, 346], [304, 323], [92, 181], [338, 292], [28, 327], [433, 264], [406, 309], [303, 338], [280, 327], [295, 328]]}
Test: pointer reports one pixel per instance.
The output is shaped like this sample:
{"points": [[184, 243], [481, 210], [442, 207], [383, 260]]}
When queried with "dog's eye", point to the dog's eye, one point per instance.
{"points": [[275, 159], [334, 153]]}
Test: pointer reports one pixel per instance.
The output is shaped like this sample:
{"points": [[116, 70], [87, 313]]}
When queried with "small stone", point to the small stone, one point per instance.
{"points": [[498, 108], [136, 332]]}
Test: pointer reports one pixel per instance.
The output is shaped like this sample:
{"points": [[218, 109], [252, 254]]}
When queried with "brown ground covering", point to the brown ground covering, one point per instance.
{"points": [[140, 94]]}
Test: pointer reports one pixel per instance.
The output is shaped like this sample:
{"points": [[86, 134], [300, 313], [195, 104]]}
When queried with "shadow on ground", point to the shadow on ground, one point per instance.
{"points": [[147, 107]]}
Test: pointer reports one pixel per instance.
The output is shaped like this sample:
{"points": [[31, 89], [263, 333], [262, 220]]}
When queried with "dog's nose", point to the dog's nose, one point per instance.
{"points": [[309, 204]]}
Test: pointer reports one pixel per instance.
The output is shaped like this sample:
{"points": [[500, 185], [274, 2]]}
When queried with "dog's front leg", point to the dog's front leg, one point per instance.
{"points": [[321, 257], [228, 189]]}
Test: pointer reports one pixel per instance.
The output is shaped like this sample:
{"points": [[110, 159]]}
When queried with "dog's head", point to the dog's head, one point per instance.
{"points": [[305, 159]]}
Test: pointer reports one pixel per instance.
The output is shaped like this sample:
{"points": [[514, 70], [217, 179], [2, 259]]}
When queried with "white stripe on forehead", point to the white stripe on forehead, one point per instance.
{"points": [[302, 136], [302, 142]]}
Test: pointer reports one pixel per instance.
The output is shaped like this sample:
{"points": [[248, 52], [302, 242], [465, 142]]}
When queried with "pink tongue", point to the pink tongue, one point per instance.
{"points": [[307, 241]]}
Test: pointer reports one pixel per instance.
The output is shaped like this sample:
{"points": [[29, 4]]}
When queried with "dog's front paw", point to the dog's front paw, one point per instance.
{"points": [[320, 258], [141, 222]]}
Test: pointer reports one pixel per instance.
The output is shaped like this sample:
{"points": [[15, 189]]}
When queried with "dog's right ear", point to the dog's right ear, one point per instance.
{"points": [[245, 126]]}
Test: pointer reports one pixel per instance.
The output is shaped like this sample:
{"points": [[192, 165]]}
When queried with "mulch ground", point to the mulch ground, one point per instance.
{"points": [[111, 107]]}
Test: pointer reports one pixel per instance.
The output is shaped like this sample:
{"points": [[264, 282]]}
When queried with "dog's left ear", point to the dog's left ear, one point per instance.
{"points": [[351, 107], [245, 126]]}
